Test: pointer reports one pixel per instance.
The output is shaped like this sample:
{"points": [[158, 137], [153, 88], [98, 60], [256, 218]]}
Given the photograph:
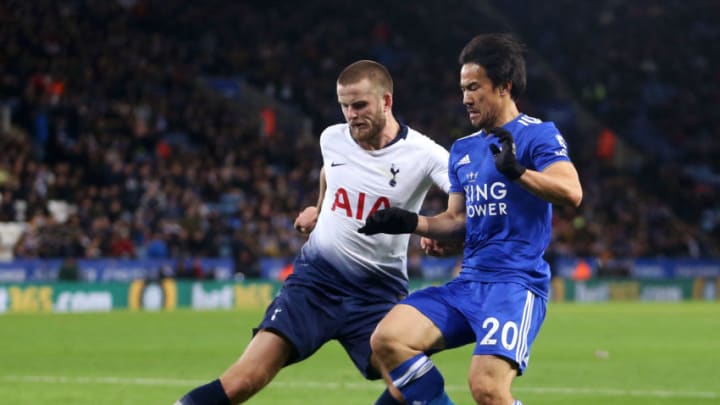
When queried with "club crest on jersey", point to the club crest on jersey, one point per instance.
{"points": [[394, 171], [563, 145]]}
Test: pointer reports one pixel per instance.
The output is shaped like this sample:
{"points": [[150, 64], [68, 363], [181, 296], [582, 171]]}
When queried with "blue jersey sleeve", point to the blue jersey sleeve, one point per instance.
{"points": [[548, 146], [455, 186]]}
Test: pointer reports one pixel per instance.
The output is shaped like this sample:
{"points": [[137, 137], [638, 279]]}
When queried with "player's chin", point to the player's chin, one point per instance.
{"points": [[476, 122], [356, 131], [362, 134]]}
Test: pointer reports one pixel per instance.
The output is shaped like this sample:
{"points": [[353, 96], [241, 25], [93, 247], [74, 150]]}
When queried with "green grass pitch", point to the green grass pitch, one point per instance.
{"points": [[609, 353]]}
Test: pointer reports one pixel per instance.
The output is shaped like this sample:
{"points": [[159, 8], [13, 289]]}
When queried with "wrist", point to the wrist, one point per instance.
{"points": [[516, 171], [413, 222], [422, 226]]}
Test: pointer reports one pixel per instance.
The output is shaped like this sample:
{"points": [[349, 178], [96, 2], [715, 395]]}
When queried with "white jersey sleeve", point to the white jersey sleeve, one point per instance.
{"points": [[360, 182]]}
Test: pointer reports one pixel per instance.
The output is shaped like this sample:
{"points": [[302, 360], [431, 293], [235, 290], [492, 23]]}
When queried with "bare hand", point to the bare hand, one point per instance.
{"points": [[433, 247], [306, 220]]}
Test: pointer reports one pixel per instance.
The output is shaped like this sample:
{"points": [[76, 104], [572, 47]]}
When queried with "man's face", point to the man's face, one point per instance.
{"points": [[482, 101], [363, 108]]}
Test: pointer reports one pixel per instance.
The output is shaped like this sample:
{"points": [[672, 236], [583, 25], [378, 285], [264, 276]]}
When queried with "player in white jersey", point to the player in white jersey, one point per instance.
{"points": [[343, 283], [504, 179]]}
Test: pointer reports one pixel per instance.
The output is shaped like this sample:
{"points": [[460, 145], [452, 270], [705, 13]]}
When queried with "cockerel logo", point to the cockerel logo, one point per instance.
{"points": [[394, 170]]}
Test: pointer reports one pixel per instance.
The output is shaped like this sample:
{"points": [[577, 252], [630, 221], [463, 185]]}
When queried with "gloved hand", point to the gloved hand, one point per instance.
{"points": [[392, 220], [505, 159]]}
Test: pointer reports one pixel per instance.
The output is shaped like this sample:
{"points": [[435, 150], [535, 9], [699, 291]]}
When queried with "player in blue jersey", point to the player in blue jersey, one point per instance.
{"points": [[504, 179], [343, 282]]}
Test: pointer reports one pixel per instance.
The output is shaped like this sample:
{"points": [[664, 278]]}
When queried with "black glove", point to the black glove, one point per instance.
{"points": [[392, 220], [505, 160]]}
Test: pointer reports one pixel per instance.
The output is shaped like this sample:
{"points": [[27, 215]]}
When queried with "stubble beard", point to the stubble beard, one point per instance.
{"points": [[372, 131], [487, 120]]}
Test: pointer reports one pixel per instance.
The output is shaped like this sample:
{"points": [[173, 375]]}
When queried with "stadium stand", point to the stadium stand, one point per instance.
{"points": [[131, 129]]}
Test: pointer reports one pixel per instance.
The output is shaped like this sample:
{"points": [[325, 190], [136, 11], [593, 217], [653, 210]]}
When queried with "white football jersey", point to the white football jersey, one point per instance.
{"points": [[361, 181]]}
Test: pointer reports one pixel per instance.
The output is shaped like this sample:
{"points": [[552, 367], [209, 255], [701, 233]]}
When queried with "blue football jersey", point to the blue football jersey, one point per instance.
{"points": [[508, 228]]}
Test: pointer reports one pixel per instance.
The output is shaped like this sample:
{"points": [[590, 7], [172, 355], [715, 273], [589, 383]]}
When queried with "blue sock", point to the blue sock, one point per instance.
{"points": [[387, 399], [208, 394], [420, 382]]}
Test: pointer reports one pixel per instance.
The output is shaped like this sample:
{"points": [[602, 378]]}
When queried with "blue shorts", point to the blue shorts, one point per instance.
{"points": [[502, 319], [309, 317]]}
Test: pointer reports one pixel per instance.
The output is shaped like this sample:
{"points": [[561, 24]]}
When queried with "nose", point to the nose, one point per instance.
{"points": [[467, 100]]}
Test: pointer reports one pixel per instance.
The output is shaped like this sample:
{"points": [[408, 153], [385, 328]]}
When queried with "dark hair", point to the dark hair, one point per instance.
{"points": [[367, 69], [503, 58]]}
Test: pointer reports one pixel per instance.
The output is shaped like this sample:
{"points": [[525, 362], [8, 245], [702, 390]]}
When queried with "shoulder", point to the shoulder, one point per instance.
{"points": [[333, 131], [529, 121], [532, 130], [534, 125], [465, 141], [423, 141], [468, 138], [541, 139]]}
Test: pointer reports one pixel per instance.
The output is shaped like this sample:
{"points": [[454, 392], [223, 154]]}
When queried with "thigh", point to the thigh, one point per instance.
{"points": [[506, 318], [403, 333], [438, 323], [360, 319], [423, 322]]}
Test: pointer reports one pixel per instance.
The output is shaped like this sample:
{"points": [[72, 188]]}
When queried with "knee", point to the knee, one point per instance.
{"points": [[384, 342], [486, 392]]}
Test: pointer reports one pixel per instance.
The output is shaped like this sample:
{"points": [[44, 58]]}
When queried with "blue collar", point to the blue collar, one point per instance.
{"points": [[402, 134]]}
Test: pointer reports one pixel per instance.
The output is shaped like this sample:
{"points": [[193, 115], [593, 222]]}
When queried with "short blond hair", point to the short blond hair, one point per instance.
{"points": [[375, 72]]}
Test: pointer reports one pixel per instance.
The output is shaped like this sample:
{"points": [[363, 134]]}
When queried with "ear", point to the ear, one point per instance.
{"points": [[505, 88], [387, 101]]}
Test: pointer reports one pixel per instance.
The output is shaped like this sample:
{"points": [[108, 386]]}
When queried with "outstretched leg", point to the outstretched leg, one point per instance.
{"points": [[263, 358]]}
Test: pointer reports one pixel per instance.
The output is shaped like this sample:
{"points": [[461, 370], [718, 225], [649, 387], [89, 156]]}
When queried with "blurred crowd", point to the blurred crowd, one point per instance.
{"points": [[117, 149], [650, 70]]}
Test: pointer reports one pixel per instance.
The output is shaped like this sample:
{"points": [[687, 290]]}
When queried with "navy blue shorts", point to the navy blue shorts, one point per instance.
{"points": [[309, 317]]}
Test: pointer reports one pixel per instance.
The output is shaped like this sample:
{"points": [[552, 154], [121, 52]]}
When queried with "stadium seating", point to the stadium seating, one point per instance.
{"points": [[123, 121]]}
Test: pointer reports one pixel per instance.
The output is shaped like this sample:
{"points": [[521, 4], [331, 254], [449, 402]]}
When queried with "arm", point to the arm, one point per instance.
{"points": [[558, 183], [306, 220], [447, 225], [321, 189], [453, 218]]}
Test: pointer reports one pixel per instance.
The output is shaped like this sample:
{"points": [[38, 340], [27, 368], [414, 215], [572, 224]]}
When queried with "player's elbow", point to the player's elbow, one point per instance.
{"points": [[571, 197], [574, 197]]}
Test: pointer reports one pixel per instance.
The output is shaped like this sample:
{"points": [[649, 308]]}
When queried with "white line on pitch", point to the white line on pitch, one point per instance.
{"points": [[573, 391]]}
